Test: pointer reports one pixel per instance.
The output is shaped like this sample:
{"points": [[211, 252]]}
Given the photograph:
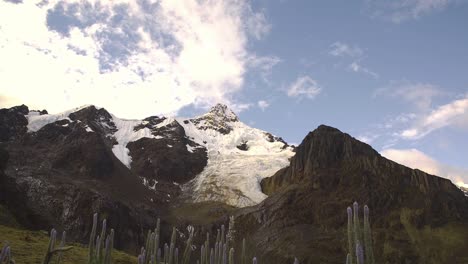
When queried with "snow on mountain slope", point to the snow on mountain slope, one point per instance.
{"points": [[233, 175], [37, 121], [126, 134], [239, 156]]}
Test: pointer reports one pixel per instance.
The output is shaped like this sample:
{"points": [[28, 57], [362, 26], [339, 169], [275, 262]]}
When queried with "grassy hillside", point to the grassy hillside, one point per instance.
{"points": [[28, 247]]}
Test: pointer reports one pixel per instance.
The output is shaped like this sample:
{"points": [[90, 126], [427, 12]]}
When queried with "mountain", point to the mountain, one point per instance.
{"points": [[416, 217], [57, 169], [464, 189]]}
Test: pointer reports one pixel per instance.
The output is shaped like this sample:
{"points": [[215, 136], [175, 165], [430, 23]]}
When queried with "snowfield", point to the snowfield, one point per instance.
{"points": [[233, 176]]}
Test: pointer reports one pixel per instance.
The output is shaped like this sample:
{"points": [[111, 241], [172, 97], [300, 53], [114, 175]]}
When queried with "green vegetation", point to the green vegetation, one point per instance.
{"points": [[436, 244], [31, 245], [6, 218], [28, 247]]}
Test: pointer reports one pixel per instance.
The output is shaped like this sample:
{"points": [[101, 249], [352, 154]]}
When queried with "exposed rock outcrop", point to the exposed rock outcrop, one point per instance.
{"points": [[305, 214]]}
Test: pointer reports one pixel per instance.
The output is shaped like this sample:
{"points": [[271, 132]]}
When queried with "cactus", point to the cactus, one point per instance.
{"points": [[188, 247], [243, 258], [231, 234], [359, 240], [368, 237], [172, 246], [221, 253], [223, 230], [52, 250], [254, 260], [100, 247], [224, 254], [166, 253], [62, 244], [350, 233], [231, 256], [5, 255], [296, 261]]}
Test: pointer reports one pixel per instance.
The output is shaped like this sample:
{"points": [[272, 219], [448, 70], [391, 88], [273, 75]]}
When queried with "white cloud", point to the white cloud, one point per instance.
{"points": [[399, 11], [342, 49], [134, 58], [368, 138], [356, 67], [264, 65], [454, 113], [416, 159], [257, 24], [420, 95], [304, 86], [263, 104], [339, 49]]}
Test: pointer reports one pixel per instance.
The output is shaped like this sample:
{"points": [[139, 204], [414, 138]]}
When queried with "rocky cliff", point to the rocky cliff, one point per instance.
{"points": [[416, 217]]}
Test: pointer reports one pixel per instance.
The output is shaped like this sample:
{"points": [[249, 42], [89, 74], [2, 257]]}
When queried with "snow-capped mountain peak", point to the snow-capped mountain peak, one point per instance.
{"points": [[219, 118], [222, 111], [225, 159]]}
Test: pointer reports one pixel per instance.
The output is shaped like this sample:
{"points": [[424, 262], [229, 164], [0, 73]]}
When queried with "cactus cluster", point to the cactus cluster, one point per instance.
{"points": [[221, 253], [5, 255], [152, 253], [359, 239], [53, 250], [100, 247]]}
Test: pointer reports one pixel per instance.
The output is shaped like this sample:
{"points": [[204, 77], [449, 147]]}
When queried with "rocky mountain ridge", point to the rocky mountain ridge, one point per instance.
{"points": [[56, 170], [414, 214]]}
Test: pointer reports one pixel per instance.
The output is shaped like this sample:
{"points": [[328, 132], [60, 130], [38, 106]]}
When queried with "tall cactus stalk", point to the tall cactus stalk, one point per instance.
{"points": [[100, 247], [52, 249], [359, 239], [223, 230], [62, 244], [172, 246], [350, 234], [202, 254], [166, 253], [5, 255], [243, 257], [357, 233], [231, 256], [224, 254], [368, 237], [231, 234], [188, 248], [91, 239]]}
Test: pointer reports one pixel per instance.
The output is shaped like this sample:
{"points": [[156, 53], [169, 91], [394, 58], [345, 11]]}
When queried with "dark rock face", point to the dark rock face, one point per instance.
{"points": [[243, 146], [97, 119], [305, 214], [465, 190], [61, 174], [167, 158], [13, 123]]}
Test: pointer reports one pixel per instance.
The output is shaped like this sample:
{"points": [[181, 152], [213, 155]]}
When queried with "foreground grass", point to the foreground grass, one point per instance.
{"points": [[29, 247]]}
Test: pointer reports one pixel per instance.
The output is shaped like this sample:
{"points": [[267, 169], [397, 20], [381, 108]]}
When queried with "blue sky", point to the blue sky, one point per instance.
{"points": [[392, 73]]}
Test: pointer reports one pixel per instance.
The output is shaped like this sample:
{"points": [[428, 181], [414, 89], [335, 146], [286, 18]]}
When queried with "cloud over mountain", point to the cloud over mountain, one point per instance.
{"points": [[149, 56]]}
